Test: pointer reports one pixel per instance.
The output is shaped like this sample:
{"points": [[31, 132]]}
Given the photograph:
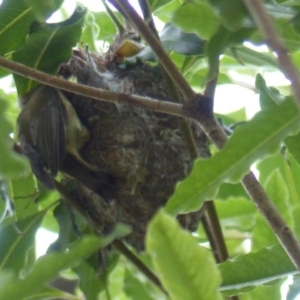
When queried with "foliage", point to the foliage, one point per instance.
{"points": [[197, 33]]}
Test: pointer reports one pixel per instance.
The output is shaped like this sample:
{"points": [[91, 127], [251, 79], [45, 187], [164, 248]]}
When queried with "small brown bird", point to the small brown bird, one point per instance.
{"points": [[51, 135]]}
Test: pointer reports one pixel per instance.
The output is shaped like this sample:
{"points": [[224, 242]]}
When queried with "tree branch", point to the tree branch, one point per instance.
{"points": [[95, 93], [125, 8]]}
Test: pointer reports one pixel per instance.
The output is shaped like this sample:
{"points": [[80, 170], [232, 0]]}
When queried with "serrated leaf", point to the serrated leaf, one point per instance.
{"points": [[47, 47], [47, 268], [247, 271], [258, 138], [15, 245], [196, 18], [186, 269]]}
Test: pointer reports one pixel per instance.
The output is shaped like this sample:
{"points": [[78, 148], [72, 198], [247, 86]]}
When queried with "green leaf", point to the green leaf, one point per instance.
{"points": [[42, 10], [269, 96], [90, 282], [135, 288], [201, 19], [233, 15], [251, 57], [236, 213], [245, 272], [264, 133], [15, 245], [156, 4], [186, 270], [25, 194], [16, 18], [214, 48], [11, 164], [48, 267], [47, 47], [293, 145], [107, 28], [90, 32]]}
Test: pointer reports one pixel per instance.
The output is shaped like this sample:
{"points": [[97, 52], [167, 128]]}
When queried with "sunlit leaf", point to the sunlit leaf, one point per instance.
{"points": [[202, 19], [47, 268], [15, 244], [245, 272], [264, 134], [47, 47], [186, 270]]}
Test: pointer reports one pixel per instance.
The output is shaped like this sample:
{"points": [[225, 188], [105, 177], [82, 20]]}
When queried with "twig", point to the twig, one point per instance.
{"points": [[138, 263], [184, 87], [264, 204], [263, 21], [95, 93]]}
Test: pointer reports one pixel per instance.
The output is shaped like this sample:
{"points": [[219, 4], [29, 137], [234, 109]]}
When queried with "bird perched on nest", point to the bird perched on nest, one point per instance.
{"points": [[144, 150]]}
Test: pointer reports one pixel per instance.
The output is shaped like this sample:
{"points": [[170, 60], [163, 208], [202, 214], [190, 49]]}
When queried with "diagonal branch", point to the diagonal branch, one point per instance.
{"points": [[124, 7]]}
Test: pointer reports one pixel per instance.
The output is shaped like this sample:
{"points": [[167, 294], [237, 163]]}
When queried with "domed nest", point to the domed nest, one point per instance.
{"points": [[144, 151]]}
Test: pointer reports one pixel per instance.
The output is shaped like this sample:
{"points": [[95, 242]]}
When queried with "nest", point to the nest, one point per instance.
{"points": [[145, 151]]}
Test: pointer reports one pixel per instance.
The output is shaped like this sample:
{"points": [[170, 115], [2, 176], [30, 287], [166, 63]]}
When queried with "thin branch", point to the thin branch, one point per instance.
{"points": [[139, 264], [263, 21], [95, 93], [264, 204], [125, 8]]}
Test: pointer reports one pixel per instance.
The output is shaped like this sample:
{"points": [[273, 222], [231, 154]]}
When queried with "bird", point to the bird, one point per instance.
{"points": [[51, 135]]}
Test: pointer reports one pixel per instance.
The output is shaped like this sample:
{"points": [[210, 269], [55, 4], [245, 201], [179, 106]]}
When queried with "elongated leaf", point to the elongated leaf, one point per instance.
{"points": [[16, 18], [47, 47], [47, 268], [15, 245], [251, 57], [42, 10], [256, 139], [201, 20], [187, 270], [245, 272]]}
